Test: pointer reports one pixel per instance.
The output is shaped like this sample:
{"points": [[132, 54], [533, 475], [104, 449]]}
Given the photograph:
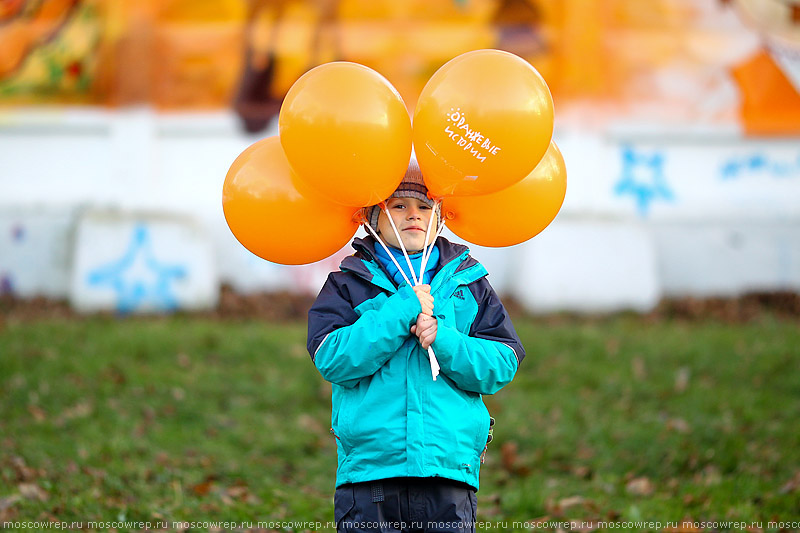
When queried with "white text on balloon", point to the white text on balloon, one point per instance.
{"points": [[470, 140]]}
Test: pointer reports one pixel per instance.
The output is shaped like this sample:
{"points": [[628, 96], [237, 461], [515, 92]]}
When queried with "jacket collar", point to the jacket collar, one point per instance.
{"points": [[455, 264]]}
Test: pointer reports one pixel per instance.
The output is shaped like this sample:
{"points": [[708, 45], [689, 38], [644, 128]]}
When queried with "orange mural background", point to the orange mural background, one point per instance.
{"points": [[658, 60]]}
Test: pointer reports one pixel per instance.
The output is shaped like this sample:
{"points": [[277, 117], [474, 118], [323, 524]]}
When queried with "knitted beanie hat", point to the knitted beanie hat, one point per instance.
{"points": [[412, 186]]}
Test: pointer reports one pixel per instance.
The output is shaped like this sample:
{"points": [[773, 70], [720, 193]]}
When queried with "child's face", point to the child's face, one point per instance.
{"points": [[411, 216]]}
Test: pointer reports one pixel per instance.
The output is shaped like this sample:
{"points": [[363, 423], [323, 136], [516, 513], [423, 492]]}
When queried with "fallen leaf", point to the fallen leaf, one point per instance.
{"points": [[572, 501], [239, 492], [243, 494], [585, 452], [682, 379], [23, 472], [711, 476], [692, 499], [94, 473], [32, 491], [640, 486], [163, 459], [9, 501], [792, 485], [79, 410], [7, 515], [508, 454], [184, 361], [203, 488], [37, 412], [678, 424], [114, 374]]}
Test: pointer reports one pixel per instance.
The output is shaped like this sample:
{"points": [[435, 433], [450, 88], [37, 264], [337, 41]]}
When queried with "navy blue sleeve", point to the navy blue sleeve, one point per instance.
{"points": [[492, 321], [333, 309]]}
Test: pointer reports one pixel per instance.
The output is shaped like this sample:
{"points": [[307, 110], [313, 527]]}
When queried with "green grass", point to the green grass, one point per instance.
{"points": [[189, 419]]}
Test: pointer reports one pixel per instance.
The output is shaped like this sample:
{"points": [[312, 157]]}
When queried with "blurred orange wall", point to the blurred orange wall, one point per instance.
{"points": [[201, 54]]}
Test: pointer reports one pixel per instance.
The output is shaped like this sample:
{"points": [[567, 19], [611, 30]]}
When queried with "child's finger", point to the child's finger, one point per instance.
{"points": [[427, 306], [422, 289], [426, 330], [425, 299], [427, 338]]}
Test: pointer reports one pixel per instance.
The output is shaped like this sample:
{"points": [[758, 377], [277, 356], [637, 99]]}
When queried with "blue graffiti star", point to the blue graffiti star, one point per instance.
{"points": [[643, 178], [135, 287]]}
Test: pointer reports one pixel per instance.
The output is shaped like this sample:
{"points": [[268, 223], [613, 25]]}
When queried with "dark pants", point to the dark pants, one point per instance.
{"points": [[407, 505]]}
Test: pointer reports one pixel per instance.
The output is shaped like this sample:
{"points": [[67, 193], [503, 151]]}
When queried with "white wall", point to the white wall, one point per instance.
{"points": [[649, 212]]}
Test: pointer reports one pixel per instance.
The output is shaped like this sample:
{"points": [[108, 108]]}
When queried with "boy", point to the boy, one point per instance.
{"points": [[409, 446]]}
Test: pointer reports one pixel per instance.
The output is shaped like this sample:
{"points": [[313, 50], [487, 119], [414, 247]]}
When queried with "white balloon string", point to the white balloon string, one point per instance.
{"points": [[427, 249], [427, 254], [431, 355], [425, 245], [391, 256], [434, 363], [402, 246]]}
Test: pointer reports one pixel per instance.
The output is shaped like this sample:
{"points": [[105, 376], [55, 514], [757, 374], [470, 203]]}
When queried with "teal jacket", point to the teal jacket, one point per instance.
{"points": [[389, 417]]}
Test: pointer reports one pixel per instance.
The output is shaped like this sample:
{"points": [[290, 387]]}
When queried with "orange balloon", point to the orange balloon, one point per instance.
{"points": [[347, 133], [515, 214], [275, 216], [482, 122]]}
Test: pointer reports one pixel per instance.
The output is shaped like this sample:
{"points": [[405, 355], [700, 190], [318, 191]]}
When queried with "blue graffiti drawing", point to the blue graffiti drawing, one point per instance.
{"points": [[6, 284], [18, 233], [643, 178], [137, 286], [759, 164]]}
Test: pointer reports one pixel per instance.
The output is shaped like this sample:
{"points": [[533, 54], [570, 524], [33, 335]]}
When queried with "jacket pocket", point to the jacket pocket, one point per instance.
{"points": [[345, 421], [482, 423], [457, 428], [343, 399]]}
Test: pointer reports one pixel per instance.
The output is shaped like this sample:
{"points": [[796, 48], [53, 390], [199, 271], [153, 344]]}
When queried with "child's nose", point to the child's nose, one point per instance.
{"points": [[415, 212]]}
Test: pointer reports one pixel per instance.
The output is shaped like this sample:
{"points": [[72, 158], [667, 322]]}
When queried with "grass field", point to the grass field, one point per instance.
{"points": [[192, 419]]}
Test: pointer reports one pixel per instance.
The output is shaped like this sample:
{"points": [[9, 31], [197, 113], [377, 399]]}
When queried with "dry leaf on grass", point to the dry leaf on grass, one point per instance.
{"points": [[32, 491], [640, 486]]}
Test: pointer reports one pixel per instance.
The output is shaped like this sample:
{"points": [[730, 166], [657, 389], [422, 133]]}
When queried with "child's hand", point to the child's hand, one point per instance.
{"points": [[423, 293], [425, 329]]}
